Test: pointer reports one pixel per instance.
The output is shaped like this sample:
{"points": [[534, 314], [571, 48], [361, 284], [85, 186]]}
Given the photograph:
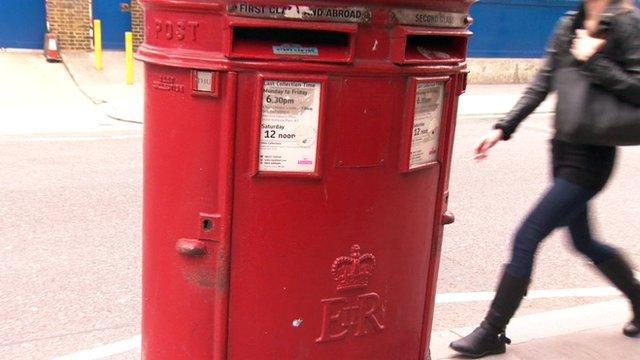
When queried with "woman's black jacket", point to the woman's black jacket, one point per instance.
{"points": [[616, 68]]}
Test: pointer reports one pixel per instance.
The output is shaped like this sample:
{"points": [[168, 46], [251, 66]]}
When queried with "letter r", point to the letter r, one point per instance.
{"points": [[369, 305]]}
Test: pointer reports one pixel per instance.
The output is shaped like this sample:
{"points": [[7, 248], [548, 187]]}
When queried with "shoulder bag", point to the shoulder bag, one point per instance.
{"points": [[588, 114]]}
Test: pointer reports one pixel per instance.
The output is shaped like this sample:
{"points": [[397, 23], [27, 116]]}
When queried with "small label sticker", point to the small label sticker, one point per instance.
{"points": [[204, 81], [295, 49], [426, 124], [289, 126]]}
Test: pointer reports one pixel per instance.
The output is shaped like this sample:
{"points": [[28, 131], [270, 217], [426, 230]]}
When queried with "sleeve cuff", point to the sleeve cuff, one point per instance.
{"points": [[506, 134], [589, 65]]}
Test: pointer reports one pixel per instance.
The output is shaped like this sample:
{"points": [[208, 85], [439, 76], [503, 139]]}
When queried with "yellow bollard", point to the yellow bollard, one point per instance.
{"points": [[97, 43], [128, 46]]}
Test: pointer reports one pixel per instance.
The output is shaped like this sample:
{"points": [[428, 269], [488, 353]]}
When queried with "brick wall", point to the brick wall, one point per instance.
{"points": [[71, 21], [137, 23]]}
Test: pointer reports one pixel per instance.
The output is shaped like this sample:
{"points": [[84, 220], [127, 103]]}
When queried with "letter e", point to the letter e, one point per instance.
{"points": [[329, 317]]}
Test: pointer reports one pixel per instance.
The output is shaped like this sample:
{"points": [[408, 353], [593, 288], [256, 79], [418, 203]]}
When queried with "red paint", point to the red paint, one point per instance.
{"points": [[246, 264]]}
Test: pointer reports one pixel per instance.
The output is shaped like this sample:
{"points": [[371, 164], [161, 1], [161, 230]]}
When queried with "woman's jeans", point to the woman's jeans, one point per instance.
{"points": [[565, 204]]}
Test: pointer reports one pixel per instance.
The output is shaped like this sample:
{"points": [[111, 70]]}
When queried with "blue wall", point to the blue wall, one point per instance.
{"points": [[515, 28], [115, 22], [22, 23]]}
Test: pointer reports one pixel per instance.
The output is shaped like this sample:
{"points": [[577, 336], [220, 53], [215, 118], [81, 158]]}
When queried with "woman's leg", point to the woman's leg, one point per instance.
{"points": [[584, 242], [562, 201], [610, 262], [560, 204], [619, 272]]}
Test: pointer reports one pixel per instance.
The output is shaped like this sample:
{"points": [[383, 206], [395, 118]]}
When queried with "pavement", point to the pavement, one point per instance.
{"points": [[582, 332], [104, 106], [39, 99], [107, 88], [482, 100]]}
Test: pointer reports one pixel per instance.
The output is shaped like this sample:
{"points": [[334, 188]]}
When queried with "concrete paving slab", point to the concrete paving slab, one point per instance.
{"points": [[597, 344], [576, 333], [497, 100], [108, 87], [38, 97]]}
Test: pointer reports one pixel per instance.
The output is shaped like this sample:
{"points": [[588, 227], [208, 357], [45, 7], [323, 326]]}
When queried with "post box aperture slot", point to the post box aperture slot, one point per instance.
{"points": [[290, 124], [282, 42], [435, 48], [430, 47]]}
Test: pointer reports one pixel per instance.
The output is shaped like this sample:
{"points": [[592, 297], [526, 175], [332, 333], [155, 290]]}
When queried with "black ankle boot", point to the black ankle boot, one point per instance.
{"points": [[484, 340], [619, 272], [489, 338]]}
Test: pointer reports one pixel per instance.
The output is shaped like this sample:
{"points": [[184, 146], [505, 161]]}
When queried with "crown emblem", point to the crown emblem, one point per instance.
{"points": [[353, 271]]}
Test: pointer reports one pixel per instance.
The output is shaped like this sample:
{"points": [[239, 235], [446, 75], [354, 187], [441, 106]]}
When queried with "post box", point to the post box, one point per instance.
{"points": [[296, 169]]}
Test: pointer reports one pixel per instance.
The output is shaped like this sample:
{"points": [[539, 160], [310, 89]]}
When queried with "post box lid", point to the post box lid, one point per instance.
{"points": [[441, 5]]}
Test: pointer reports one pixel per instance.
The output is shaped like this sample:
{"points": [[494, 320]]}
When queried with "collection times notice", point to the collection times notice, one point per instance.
{"points": [[289, 126], [426, 124]]}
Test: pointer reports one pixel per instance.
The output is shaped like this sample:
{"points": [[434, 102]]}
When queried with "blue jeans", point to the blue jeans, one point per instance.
{"points": [[565, 204]]}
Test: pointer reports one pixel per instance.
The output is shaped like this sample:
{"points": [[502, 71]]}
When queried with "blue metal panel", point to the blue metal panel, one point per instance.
{"points": [[515, 28], [22, 23], [115, 21]]}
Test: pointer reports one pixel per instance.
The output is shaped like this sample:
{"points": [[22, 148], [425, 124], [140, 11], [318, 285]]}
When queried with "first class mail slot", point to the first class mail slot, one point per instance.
{"points": [[283, 40]]}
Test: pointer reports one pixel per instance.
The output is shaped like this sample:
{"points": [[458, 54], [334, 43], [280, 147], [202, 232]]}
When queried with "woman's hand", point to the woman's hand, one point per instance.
{"points": [[584, 46], [487, 142]]}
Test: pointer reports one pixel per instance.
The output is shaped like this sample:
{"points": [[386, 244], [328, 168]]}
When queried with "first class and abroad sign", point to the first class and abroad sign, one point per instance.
{"points": [[302, 12], [361, 15]]}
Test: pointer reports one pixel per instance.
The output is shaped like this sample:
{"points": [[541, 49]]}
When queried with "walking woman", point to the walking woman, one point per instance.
{"points": [[602, 39]]}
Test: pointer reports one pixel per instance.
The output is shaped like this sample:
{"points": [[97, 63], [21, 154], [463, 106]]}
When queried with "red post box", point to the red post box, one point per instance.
{"points": [[296, 162]]}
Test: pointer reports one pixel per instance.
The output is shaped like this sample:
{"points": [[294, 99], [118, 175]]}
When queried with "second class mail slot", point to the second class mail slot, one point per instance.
{"points": [[429, 46]]}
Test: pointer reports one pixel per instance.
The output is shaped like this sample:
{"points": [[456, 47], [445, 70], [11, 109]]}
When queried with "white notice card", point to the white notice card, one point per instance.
{"points": [[289, 127], [426, 124]]}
